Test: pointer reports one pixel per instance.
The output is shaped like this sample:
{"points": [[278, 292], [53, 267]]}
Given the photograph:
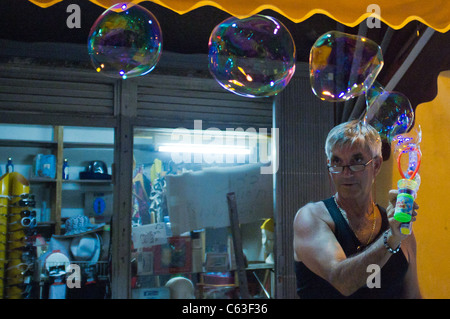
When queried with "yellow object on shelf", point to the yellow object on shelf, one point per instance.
{"points": [[13, 188]]}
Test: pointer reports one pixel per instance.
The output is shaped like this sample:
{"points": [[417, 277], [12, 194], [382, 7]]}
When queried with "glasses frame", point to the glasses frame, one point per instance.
{"points": [[349, 167], [24, 213]]}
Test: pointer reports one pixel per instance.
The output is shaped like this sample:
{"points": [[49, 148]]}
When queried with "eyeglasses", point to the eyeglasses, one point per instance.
{"points": [[353, 167], [24, 202], [24, 213], [25, 222]]}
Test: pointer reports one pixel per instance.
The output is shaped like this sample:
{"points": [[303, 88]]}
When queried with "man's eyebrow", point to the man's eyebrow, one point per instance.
{"points": [[358, 155], [334, 158]]}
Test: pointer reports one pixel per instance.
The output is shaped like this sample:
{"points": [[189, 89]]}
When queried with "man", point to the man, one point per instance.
{"points": [[341, 241]]}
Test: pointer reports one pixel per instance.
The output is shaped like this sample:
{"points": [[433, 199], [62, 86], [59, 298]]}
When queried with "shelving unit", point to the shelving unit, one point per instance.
{"points": [[28, 148]]}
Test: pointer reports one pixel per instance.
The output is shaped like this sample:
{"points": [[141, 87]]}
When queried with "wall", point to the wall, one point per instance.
{"points": [[433, 222], [303, 121], [432, 229]]}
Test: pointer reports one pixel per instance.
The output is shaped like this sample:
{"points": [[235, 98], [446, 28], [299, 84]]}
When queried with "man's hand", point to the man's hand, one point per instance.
{"points": [[397, 236]]}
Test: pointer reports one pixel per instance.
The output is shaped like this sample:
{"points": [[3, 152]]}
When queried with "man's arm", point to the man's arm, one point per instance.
{"points": [[411, 288], [317, 247]]}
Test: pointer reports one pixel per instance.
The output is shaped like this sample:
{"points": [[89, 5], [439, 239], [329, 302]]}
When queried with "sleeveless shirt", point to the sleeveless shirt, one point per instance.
{"points": [[312, 286]]}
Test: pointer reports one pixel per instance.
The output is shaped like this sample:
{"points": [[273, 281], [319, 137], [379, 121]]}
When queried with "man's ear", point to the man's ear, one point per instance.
{"points": [[377, 161]]}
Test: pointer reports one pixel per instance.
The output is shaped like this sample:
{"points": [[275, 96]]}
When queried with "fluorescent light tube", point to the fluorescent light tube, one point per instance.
{"points": [[204, 149]]}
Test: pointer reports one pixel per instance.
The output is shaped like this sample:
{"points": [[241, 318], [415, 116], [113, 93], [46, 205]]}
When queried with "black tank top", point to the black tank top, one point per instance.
{"points": [[311, 286]]}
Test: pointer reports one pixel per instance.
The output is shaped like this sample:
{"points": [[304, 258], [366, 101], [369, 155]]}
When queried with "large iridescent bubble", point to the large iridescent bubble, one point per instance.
{"points": [[342, 65], [125, 41], [390, 113], [252, 57]]}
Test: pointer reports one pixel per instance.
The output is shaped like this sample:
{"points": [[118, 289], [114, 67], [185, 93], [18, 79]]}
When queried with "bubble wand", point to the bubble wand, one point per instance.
{"points": [[410, 182]]}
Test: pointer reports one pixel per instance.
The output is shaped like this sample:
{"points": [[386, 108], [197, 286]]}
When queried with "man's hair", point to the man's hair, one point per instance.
{"points": [[349, 133]]}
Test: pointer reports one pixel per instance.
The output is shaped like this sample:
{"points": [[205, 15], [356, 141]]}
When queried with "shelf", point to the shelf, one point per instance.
{"points": [[28, 143], [75, 181], [254, 266], [41, 180], [87, 145], [46, 224], [88, 181]]}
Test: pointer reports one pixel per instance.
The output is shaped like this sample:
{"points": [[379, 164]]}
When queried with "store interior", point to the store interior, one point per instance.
{"points": [[182, 178], [182, 245]]}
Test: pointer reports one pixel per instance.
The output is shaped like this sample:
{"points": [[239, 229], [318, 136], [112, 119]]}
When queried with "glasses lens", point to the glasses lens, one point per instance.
{"points": [[357, 168], [335, 169], [25, 213], [28, 222]]}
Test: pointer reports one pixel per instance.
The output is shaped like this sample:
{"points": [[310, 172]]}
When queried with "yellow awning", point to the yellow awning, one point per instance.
{"points": [[395, 13]]}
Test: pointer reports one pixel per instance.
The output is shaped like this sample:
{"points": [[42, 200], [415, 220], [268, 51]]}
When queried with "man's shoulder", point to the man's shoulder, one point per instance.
{"points": [[313, 211], [315, 207]]}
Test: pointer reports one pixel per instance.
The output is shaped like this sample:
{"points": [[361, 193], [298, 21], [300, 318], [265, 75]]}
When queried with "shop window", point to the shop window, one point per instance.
{"points": [[55, 236], [182, 239]]}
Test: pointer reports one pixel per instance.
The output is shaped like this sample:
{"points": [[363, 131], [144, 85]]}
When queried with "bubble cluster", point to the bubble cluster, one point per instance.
{"points": [[125, 41], [390, 113], [252, 57], [342, 65]]}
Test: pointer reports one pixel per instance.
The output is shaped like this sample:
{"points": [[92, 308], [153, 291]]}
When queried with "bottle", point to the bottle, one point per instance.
{"points": [[407, 190], [65, 169], [168, 226], [9, 166]]}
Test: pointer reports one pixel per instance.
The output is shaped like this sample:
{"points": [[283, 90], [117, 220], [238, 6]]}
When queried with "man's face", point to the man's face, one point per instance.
{"points": [[351, 184]]}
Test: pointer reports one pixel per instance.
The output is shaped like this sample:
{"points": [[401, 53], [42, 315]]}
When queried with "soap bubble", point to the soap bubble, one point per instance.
{"points": [[390, 113], [125, 41], [342, 65], [252, 57], [406, 142]]}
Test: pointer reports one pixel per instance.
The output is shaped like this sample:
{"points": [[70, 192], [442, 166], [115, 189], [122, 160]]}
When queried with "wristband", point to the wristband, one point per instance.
{"points": [[385, 238]]}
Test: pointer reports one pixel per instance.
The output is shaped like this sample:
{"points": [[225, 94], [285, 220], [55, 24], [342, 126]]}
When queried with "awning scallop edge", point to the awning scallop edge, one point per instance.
{"points": [[395, 13]]}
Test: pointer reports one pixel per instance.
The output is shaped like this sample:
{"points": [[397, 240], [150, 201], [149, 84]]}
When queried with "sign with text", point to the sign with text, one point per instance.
{"points": [[149, 235]]}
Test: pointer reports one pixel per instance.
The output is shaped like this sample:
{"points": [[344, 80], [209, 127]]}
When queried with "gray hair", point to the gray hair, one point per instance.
{"points": [[349, 133]]}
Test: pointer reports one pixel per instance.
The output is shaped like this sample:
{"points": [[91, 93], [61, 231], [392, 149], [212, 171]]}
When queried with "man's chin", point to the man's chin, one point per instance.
{"points": [[349, 191]]}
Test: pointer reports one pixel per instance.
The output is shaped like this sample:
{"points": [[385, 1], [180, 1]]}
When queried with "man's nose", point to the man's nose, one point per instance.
{"points": [[347, 171]]}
